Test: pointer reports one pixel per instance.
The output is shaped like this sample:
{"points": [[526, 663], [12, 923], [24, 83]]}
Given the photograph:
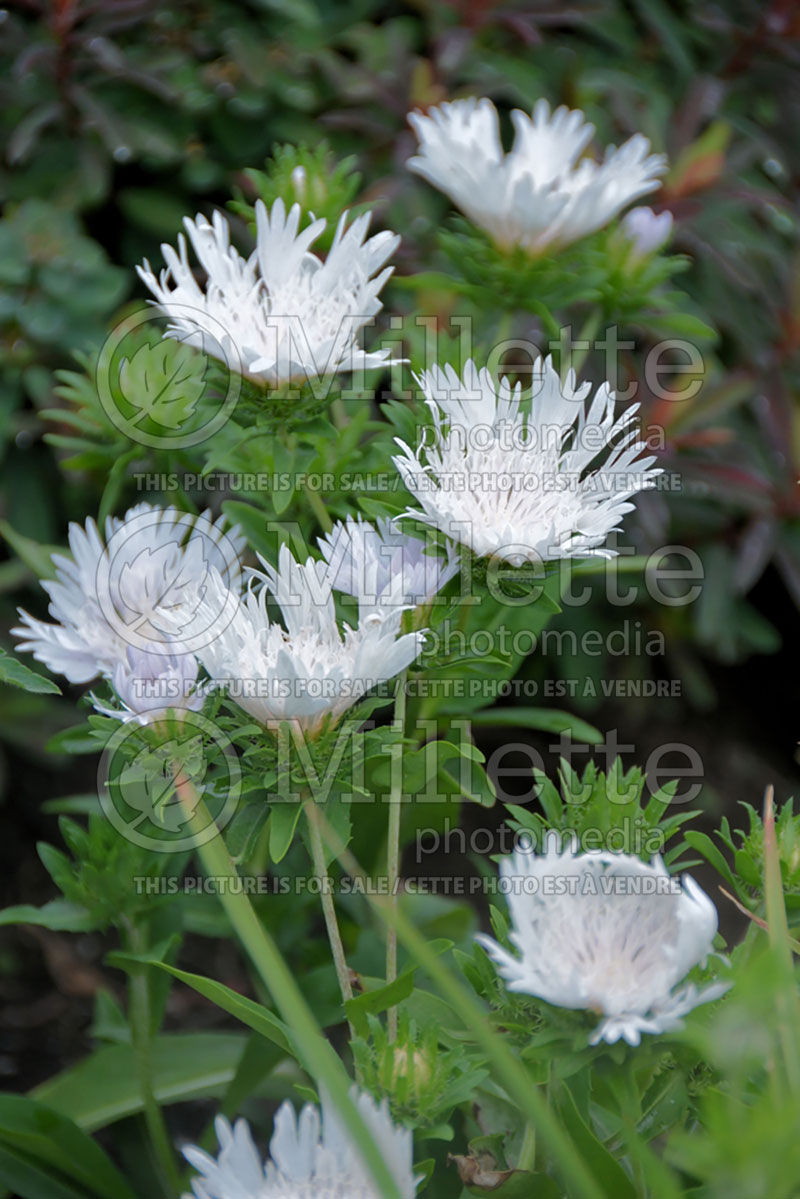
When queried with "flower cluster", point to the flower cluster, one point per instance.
{"points": [[165, 595], [318, 669], [162, 606]]}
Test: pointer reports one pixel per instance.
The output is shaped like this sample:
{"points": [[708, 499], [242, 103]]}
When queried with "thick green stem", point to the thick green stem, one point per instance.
{"points": [[142, 1040], [393, 842], [328, 906], [317, 1056]]}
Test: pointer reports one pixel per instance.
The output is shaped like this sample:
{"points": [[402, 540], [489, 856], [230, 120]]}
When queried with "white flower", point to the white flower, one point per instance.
{"points": [[283, 313], [524, 488], [539, 194], [646, 231], [109, 597], [147, 685], [309, 1158], [607, 932], [384, 568], [309, 669]]}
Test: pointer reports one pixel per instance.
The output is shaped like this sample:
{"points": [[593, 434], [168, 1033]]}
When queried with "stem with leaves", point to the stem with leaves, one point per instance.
{"points": [[316, 1055]]}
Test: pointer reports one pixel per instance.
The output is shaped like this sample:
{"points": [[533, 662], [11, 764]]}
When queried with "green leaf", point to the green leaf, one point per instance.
{"points": [[104, 1086], [79, 739], [547, 720], [259, 1058], [372, 1003], [658, 803], [253, 523], [48, 1136], [30, 1181], [253, 1014], [58, 914], [37, 557], [19, 675], [283, 820], [682, 324], [704, 845], [381, 996], [606, 1170], [75, 805], [245, 829]]}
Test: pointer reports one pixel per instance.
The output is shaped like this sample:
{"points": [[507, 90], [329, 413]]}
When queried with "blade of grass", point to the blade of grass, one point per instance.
{"points": [[787, 1003]]}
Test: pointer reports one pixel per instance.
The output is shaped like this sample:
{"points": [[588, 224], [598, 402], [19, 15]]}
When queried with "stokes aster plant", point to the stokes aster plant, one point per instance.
{"points": [[304, 677]]}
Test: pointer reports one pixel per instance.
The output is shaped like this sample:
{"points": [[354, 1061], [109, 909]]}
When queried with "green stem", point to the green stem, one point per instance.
{"points": [[339, 413], [139, 1009], [328, 906], [513, 1075], [549, 322], [527, 1154], [393, 842], [318, 508], [587, 335], [317, 1056]]}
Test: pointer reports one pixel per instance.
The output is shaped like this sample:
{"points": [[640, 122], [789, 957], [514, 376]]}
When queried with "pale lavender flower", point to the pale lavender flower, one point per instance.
{"points": [[646, 231], [383, 567]]}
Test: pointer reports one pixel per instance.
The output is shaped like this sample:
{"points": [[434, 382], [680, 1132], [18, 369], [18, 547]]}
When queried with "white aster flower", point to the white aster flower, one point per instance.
{"points": [[146, 579], [147, 685], [646, 231], [542, 193], [606, 932], [307, 669], [384, 568], [310, 1158], [286, 314], [524, 487]]}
